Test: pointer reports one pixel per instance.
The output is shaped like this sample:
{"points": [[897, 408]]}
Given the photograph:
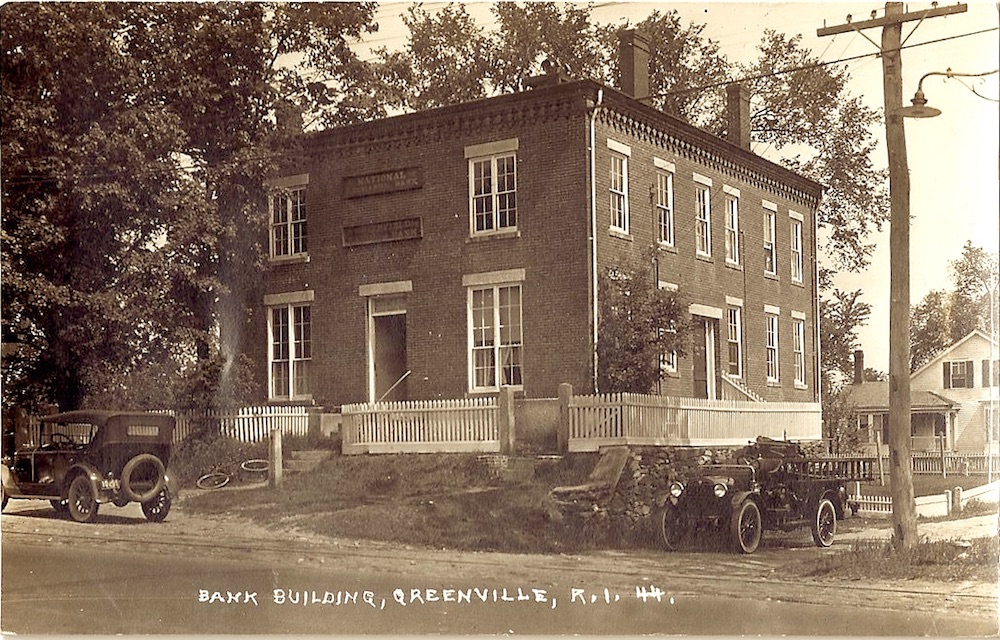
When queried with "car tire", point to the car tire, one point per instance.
{"points": [[82, 504], [745, 527], [145, 487], [4, 499], [824, 524], [156, 510], [61, 506], [672, 528]]}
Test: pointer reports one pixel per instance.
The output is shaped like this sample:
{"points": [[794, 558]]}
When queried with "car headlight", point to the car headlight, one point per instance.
{"points": [[676, 489], [720, 489]]}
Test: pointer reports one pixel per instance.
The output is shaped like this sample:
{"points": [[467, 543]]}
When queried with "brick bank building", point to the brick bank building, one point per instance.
{"points": [[445, 253]]}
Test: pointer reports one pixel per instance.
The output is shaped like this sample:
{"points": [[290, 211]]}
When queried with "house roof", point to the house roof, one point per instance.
{"points": [[875, 396], [936, 360], [583, 95]]}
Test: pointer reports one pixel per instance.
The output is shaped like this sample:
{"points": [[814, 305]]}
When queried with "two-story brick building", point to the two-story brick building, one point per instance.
{"points": [[445, 253]]}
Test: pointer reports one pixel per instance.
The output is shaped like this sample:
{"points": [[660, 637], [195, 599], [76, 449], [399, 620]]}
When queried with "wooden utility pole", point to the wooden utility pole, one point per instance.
{"points": [[904, 511]]}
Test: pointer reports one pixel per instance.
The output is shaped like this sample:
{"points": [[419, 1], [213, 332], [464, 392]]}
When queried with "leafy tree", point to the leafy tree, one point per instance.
{"points": [[135, 141], [639, 323], [841, 315], [943, 318]]}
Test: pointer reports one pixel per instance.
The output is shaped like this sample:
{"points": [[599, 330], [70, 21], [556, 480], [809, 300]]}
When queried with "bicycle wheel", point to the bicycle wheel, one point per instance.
{"points": [[255, 465], [213, 480]]}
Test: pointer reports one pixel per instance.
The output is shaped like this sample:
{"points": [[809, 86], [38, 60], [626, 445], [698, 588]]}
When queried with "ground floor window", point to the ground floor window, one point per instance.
{"points": [[496, 337], [290, 352]]}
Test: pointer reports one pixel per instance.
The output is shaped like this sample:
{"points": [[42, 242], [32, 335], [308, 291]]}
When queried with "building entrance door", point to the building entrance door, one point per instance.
{"points": [[388, 364], [703, 355]]}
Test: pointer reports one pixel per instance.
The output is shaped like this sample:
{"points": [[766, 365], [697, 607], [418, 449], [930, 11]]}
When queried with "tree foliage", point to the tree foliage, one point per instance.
{"points": [[135, 140], [842, 314], [943, 317], [639, 324]]}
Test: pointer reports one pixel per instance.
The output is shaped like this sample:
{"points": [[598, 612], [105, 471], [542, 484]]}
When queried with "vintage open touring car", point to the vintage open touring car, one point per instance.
{"points": [[78, 460]]}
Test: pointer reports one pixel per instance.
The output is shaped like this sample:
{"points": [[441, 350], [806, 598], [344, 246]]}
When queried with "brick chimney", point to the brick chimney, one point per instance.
{"points": [[633, 64], [859, 366], [738, 111]]}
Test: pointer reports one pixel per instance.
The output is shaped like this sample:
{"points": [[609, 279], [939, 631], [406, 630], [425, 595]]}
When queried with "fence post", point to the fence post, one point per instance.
{"points": [[878, 451], [505, 415], [956, 500], [274, 467], [944, 471], [562, 430]]}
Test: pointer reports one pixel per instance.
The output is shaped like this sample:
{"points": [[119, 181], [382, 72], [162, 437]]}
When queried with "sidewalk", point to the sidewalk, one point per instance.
{"points": [[961, 529]]}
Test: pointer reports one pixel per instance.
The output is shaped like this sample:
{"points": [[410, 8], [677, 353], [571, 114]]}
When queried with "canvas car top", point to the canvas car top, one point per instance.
{"points": [[120, 426]]}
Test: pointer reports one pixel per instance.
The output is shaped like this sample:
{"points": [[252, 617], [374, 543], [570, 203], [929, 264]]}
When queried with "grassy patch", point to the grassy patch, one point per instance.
{"points": [[925, 485], [441, 501], [939, 561]]}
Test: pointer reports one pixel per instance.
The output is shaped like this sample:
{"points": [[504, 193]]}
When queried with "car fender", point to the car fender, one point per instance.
{"points": [[92, 474], [739, 497], [7, 479]]}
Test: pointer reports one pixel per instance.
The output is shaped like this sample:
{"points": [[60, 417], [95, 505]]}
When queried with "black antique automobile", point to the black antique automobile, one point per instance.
{"points": [[772, 486], [80, 459]]}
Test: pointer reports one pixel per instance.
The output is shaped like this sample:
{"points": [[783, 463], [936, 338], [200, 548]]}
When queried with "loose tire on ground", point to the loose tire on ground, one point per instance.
{"points": [[745, 527], [214, 480], [156, 510], [824, 524], [143, 477], [82, 504]]}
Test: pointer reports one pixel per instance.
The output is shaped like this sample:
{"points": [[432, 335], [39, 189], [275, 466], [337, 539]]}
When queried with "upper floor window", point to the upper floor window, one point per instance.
{"points": [[619, 185], [493, 186], [703, 215], [796, 240], [770, 251], [732, 226], [665, 203], [995, 377], [958, 375], [288, 221]]}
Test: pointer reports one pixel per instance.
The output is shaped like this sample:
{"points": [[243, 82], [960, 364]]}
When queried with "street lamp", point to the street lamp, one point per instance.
{"points": [[919, 109]]}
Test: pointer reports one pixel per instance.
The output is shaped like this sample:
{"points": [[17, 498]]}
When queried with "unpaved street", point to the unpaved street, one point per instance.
{"points": [[691, 577]]}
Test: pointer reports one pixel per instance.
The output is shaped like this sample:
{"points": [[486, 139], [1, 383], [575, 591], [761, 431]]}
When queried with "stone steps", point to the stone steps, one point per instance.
{"points": [[304, 461]]}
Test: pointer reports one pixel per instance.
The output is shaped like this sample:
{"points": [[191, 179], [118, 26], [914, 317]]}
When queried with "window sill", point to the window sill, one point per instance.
{"points": [[494, 390], [704, 257], [798, 283], [774, 383], [618, 233], [291, 402], [296, 259], [494, 235], [801, 386], [772, 276], [734, 265], [668, 248]]}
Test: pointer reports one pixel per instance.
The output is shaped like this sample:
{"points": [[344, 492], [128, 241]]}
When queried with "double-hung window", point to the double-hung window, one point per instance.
{"points": [[771, 320], [799, 349], [770, 250], [618, 188], [288, 234], [796, 240], [496, 336], [290, 349], [492, 186], [703, 215], [732, 225], [735, 341], [664, 201], [958, 374]]}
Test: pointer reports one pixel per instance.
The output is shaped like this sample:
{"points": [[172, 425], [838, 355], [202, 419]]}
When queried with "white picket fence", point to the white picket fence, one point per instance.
{"points": [[249, 424], [934, 506], [637, 419], [429, 426]]}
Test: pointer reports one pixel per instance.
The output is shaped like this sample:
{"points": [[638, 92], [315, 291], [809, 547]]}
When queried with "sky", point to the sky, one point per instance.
{"points": [[953, 158]]}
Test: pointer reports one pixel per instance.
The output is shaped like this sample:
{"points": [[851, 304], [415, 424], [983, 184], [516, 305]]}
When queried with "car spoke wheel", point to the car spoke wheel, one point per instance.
{"points": [[673, 529], [745, 527], [82, 501], [824, 526], [60, 506], [156, 510]]}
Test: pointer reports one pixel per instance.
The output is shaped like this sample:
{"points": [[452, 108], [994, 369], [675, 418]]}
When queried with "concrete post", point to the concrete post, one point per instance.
{"points": [[562, 431], [274, 470], [956, 500], [505, 415]]}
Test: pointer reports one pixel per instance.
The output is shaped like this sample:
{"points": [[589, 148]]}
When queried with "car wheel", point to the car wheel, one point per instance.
{"points": [[82, 501], [745, 527], [143, 477], [673, 529], [824, 526], [5, 498], [156, 510], [60, 506]]}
